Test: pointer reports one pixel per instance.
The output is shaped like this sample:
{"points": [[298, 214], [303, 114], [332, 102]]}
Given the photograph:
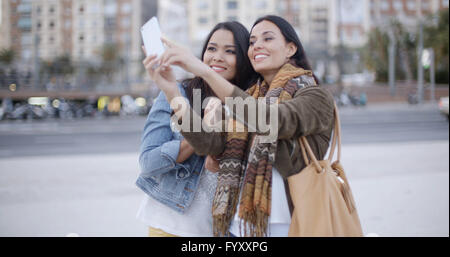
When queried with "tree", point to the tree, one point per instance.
{"points": [[375, 54], [7, 56], [436, 35], [111, 60], [58, 69], [7, 75]]}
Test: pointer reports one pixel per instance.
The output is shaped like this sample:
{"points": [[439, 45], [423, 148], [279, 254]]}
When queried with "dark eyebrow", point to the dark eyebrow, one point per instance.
{"points": [[226, 46], [266, 32]]}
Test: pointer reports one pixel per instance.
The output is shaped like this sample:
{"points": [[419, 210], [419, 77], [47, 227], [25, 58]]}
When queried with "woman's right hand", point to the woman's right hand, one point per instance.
{"points": [[181, 56]]}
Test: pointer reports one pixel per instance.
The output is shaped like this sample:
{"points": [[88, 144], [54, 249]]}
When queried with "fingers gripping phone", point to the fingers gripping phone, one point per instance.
{"points": [[151, 36]]}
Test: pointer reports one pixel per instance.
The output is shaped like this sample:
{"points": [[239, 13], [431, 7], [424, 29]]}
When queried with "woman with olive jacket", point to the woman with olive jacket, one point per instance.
{"points": [[252, 170]]}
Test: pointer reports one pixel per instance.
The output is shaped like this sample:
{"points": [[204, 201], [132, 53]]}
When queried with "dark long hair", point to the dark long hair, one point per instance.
{"points": [[245, 74], [299, 58]]}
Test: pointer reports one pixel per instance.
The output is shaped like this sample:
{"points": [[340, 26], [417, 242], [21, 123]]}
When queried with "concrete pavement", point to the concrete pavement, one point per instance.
{"points": [[400, 189]]}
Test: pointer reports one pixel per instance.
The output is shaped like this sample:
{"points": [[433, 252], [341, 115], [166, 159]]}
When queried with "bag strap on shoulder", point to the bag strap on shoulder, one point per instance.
{"points": [[307, 152]]}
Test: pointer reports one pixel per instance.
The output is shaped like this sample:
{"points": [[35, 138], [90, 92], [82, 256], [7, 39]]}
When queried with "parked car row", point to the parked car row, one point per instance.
{"points": [[58, 108]]}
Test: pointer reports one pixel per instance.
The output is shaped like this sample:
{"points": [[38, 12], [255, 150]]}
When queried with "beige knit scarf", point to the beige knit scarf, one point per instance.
{"points": [[254, 171]]}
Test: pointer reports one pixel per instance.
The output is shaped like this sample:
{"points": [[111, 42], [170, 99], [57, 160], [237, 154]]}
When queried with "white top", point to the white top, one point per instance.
{"points": [[280, 217], [197, 219]]}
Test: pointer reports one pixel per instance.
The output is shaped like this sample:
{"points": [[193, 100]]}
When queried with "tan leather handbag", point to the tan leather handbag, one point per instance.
{"points": [[321, 195]]}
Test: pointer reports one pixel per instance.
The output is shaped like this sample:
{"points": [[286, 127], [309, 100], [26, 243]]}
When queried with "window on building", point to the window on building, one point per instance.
{"points": [[81, 9], [81, 38], [126, 8], [411, 4], [67, 24], [38, 25], [202, 20], [385, 6], [52, 9], [26, 39], [110, 22], [125, 22], [38, 10], [355, 35], [51, 40], [26, 53], [261, 4], [109, 38], [232, 18], [94, 8], [24, 23], [372, 4], [398, 6], [425, 5], [110, 7], [232, 5], [125, 37], [51, 25], [445, 3], [202, 5]]}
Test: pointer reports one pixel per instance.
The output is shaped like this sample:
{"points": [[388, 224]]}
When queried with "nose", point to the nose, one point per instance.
{"points": [[217, 57], [257, 45]]}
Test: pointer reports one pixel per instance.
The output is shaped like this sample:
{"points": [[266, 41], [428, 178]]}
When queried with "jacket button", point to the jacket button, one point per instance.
{"points": [[181, 174]]}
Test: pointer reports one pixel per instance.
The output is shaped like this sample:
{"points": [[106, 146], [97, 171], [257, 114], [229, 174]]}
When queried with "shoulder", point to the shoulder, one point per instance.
{"points": [[305, 81]]}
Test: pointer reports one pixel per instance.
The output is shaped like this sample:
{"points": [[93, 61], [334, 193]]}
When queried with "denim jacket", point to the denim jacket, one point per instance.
{"points": [[161, 177]]}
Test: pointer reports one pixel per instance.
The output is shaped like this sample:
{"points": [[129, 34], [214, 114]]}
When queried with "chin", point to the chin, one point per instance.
{"points": [[260, 69]]}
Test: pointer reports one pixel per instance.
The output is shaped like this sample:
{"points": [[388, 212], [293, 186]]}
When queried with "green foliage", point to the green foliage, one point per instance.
{"points": [[60, 66], [7, 56], [436, 35], [111, 60], [375, 54]]}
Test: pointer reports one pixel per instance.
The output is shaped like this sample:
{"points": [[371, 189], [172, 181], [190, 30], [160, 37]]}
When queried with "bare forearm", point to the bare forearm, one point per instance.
{"points": [[222, 87]]}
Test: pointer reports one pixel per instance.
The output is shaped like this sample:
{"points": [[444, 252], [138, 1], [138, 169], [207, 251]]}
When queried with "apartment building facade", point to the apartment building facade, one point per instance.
{"points": [[47, 29], [319, 23]]}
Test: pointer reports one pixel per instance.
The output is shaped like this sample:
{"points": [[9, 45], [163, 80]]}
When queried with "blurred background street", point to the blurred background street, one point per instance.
{"points": [[74, 97]]}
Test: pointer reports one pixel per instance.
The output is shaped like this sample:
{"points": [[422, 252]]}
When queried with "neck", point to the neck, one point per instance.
{"points": [[268, 77]]}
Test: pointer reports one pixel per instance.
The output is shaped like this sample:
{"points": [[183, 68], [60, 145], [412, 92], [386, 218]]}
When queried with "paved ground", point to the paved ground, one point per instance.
{"points": [[400, 190]]}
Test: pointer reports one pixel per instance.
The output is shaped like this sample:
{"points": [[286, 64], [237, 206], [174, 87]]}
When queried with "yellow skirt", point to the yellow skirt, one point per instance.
{"points": [[156, 232]]}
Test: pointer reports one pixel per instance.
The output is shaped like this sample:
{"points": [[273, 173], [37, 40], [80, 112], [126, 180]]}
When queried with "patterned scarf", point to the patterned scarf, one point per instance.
{"points": [[255, 202]]}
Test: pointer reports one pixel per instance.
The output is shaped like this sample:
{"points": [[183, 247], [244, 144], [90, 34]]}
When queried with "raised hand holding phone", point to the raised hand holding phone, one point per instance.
{"points": [[153, 48], [151, 36]]}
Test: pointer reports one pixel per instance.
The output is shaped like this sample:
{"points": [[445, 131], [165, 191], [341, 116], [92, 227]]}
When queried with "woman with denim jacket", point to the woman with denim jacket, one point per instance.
{"points": [[178, 185], [252, 196]]}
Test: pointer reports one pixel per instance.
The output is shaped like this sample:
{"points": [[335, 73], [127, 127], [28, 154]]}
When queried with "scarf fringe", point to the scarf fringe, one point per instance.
{"points": [[254, 223], [221, 222]]}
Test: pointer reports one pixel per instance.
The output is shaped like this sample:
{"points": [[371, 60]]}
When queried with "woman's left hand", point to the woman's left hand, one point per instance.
{"points": [[163, 77], [181, 56], [212, 164]]}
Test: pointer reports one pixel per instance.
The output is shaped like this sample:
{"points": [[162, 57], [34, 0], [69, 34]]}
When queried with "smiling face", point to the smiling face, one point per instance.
{"points": [[220, 54], [268, 50]]}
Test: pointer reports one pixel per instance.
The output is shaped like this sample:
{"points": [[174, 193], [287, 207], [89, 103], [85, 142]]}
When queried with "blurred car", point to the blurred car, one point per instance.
{"points": [[443, 105]]}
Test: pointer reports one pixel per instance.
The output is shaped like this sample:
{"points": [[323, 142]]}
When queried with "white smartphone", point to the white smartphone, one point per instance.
{"points": [[151, 36]]}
